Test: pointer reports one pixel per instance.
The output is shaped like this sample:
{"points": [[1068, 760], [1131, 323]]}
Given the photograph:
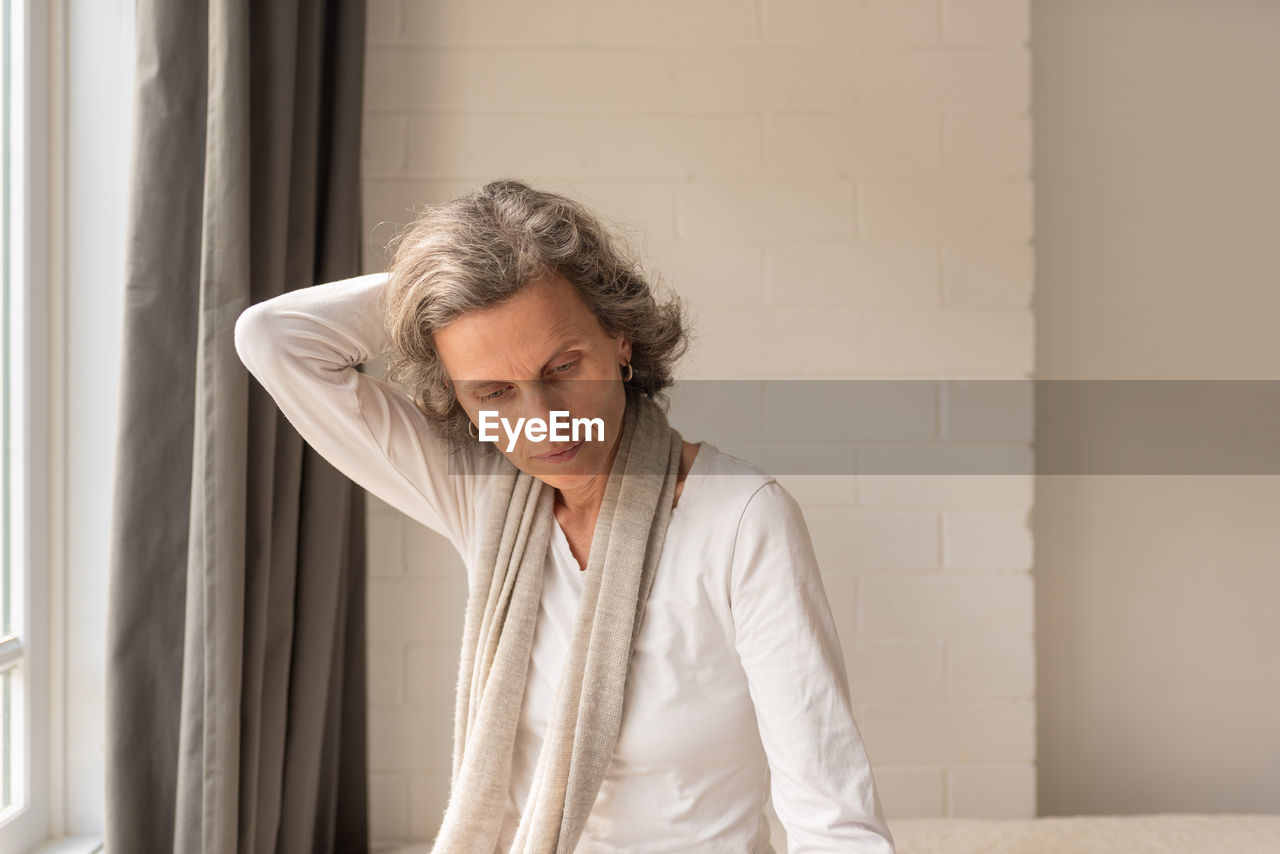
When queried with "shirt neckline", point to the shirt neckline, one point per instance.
{"points": [[563, 539]]}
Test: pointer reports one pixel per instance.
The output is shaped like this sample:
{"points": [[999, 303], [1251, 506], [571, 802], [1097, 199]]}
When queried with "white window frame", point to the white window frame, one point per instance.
{"points": [[40, 382], [26, 821]]}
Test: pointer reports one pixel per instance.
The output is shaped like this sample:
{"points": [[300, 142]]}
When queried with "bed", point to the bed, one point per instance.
{"points": [[1156, 833]]}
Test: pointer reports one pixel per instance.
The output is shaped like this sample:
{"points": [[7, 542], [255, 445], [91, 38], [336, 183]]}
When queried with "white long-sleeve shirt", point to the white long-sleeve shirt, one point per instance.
{"points": [[737, 689]]}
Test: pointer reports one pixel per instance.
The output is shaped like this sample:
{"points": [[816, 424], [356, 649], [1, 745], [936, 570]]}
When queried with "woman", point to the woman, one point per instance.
{"points": [[649, 654]]}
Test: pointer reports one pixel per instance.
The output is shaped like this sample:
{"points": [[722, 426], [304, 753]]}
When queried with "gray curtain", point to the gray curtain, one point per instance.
{"points": [[235, 644]]}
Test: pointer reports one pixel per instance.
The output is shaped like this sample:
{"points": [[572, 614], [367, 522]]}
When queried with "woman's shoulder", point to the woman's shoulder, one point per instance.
{"points": [[743, 513], [715, 461], [727, 483]]}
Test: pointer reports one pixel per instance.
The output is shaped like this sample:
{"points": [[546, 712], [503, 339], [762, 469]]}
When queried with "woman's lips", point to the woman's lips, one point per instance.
{"points": [[561, 456]]}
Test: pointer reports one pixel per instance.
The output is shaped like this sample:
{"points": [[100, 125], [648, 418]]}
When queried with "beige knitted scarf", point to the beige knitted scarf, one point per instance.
{"points": [[502, 609]]}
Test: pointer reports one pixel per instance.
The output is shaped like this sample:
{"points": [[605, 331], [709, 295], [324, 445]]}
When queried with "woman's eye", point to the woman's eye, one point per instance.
{"points": [[559, 369]]}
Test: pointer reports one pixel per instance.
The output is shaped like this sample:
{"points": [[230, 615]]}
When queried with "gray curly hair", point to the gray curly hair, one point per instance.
{"points": [[482, 248]]}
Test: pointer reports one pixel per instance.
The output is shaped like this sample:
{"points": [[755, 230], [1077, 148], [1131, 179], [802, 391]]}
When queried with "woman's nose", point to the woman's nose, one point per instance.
{"points": [[540, 399]]}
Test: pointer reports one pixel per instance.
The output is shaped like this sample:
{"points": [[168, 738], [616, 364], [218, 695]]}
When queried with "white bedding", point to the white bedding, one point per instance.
{"points": [[1158, 833]]}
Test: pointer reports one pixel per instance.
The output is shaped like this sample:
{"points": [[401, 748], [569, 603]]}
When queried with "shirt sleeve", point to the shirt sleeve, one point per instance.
{"points": [[821, 780], [303, 347]]}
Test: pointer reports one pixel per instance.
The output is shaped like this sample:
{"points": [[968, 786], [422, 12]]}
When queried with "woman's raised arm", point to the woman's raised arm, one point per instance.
{"points": [[303, 347]]}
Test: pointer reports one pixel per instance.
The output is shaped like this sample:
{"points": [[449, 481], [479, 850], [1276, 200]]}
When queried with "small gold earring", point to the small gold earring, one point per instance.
{"points": [[471, 424], [630, 373]]}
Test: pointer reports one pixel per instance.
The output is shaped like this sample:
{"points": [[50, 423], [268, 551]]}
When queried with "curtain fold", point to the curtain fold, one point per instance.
{"points": [[236, 613]]}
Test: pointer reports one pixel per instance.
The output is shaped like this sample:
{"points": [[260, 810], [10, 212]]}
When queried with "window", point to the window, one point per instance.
{"points": [[68, 99], [13, 664], [25, 719]]}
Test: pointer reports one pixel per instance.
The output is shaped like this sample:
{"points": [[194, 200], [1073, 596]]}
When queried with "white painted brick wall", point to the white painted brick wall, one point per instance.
{"points": [[849, 179]]}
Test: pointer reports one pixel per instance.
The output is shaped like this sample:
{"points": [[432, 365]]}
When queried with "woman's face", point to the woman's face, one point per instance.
{"points": [[541, 350]]}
